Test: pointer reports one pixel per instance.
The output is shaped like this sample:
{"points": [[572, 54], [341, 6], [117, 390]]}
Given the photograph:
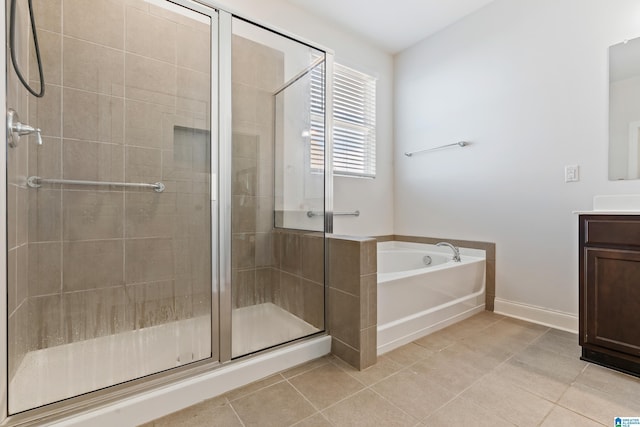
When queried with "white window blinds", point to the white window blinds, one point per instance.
{"points": [[354, 122]]}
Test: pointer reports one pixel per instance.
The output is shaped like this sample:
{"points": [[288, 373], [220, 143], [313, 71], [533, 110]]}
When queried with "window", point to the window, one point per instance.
{"points": [[354, 122]]}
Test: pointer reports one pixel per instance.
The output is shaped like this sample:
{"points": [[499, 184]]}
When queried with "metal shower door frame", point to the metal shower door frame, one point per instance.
{"points": [[133, 387], [221, 301]]}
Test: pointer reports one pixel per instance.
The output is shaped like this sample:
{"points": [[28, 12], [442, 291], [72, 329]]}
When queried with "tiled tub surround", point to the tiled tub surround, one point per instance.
{"points": [[352, 303], [122, 104], [488, 247]]}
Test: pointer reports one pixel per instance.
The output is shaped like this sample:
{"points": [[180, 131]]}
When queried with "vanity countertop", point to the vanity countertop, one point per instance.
{"points": [[600, 212], [614, 204]]}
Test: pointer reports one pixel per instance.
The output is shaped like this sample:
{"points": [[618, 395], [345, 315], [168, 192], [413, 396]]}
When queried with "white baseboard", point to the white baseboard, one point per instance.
{"points": [[542, 316]]}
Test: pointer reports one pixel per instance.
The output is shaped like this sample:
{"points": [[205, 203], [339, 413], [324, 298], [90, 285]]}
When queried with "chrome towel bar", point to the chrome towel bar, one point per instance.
{"points": [[311, 214], [36, 181], [460, 144]]}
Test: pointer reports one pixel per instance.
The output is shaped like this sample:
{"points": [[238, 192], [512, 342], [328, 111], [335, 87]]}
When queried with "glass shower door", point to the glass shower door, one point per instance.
{"points": [[109, 220], [277, 210]]}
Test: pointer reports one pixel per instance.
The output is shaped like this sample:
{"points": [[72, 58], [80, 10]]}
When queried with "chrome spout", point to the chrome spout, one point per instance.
{"points": [[456, 251]]}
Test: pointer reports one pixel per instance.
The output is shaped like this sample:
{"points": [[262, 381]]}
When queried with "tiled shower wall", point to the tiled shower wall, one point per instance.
{"points": [[256, 71], [270, 265], [127, 99], [297, 283], [17, 212]]}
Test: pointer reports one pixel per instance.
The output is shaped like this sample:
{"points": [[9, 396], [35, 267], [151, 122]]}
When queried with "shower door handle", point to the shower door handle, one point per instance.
{"points": [[15, 129]]}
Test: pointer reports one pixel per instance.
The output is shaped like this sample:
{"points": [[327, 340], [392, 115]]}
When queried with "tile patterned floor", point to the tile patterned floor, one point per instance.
{"points": [[488, 370]]}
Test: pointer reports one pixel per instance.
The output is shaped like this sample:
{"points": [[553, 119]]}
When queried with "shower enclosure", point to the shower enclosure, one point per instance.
{"points": [[162, 223]]}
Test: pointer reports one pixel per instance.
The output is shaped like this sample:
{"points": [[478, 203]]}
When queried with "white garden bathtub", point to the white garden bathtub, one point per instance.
{"points": [[416, 299]]}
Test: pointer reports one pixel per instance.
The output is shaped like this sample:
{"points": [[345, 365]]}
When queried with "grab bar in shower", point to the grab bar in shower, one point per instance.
{"points": [[311, 214], [460, 144], [36, 181]]}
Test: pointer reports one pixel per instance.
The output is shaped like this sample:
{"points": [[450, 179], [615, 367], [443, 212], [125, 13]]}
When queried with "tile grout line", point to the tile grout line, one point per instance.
{"points": [[311, 416], [396, 406], [370, 387], [486, 374], [588, 387], [456, 341], [235, 412], [412, 361], [407, 367], [252, 392], [304, 397]]}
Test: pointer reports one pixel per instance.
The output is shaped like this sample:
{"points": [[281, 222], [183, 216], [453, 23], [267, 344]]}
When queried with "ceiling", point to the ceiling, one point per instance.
{"points": [[393, 26]]}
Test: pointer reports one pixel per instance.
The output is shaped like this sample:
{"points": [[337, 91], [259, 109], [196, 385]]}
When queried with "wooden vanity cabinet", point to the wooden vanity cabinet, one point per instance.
{"points": [[610, 291]]}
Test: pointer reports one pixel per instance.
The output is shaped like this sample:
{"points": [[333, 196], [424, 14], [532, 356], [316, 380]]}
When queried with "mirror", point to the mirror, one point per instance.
{"points": [[624, 110]]}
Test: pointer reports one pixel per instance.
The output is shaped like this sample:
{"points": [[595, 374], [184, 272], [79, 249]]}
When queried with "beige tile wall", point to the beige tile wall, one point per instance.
{"points": [[252, 170], [298, 274], [352, 304], [127, 99], [19, 250], [280, 266]]}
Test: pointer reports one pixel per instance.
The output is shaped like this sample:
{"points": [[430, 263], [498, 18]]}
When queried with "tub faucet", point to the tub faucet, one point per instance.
{"points": [[456, 251]]}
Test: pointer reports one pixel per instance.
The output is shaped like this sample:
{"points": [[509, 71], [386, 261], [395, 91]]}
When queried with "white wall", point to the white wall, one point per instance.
{"points": [[526, 81], [373, 198]]}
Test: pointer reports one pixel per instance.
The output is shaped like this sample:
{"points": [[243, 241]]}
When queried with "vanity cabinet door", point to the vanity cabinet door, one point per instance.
{"points": [[612, 307]]}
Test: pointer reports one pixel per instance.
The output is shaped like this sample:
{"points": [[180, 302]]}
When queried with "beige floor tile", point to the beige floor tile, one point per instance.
{"points": [[469, 327], [463, 412], [384, 368], [212, 412], [276, 405], [508, 372], [477, 352], [561, 342], [551, 364], [623, 387], [508, 401], [413, 393], [597, 405], [512, 335], [437, 341], [317, 420], [561, 417], [408, 354], [484, 319], [451, 373], [253, 387], [367, 409], [326, 385], [530, 378], [459, 330], [305, 367]]}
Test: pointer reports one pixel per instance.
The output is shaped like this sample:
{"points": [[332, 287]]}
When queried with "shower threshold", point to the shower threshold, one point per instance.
{"points": [[261, 326]]}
